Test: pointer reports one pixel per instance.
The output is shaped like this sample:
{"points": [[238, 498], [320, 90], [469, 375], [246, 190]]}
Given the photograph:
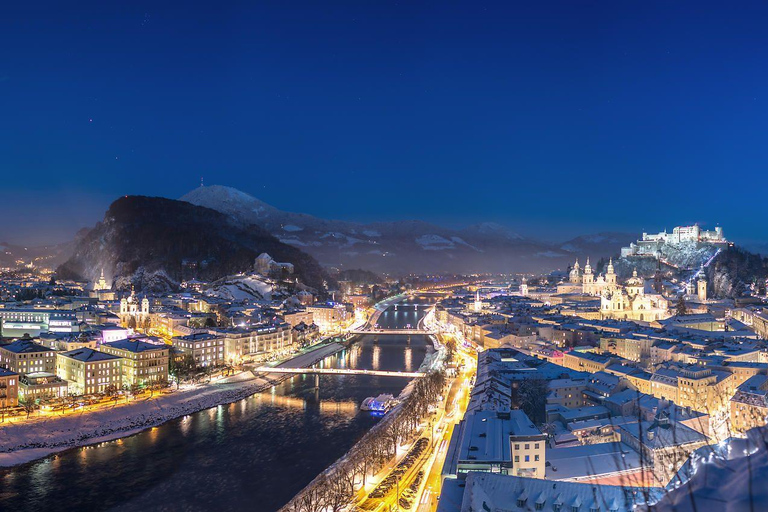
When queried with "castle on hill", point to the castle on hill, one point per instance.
{"points": [[653, 244]]}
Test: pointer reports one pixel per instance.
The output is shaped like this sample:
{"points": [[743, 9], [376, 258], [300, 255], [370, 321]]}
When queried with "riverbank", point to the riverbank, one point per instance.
{"points": [[41, 437]]}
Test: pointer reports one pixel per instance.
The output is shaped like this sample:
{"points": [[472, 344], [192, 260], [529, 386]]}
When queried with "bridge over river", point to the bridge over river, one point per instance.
{"points": [[338, 371], [374, 331]]}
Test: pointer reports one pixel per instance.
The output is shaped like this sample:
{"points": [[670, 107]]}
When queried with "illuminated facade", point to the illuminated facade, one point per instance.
{"points": [[652, 244], [131, 308], [142, 363], [9, 388], [630, 302], [101, 284], [205, 349], [89, 371], [25, 356]]}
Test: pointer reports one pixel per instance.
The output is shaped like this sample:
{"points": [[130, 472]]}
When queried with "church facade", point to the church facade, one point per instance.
{"points": [[629, 301], [133, 311], [587, 282]]}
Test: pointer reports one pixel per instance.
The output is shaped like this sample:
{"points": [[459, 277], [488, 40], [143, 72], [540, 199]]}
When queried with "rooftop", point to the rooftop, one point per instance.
{"points": [[486, 491], [135, 345], [24, 346], [88, 355]]}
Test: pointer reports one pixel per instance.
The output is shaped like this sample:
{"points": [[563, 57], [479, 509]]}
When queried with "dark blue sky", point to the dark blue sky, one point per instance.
{"points": [[557, 119]]}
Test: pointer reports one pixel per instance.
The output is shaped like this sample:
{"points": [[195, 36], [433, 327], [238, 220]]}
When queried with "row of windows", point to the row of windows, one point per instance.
{"points": [[527, 446]]}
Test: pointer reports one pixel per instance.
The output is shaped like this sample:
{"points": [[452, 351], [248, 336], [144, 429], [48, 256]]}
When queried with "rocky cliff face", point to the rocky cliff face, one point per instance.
{"points": [[153, 243], [735, 272]]}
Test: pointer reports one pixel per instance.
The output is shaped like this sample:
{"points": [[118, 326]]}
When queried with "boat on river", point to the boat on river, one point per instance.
{"points": [[380, 404]]}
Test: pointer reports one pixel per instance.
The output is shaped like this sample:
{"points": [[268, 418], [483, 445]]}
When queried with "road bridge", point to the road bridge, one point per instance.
{"points": [[338, 371], [425, 332]]}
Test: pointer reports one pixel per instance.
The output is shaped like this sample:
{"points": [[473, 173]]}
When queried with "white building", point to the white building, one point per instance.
{"points": [[653, 244], [132, 308]]}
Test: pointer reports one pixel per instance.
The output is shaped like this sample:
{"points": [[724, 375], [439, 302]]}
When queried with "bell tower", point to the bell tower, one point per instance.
{"points": [[702, 286], [588, 277], [610, 274]]}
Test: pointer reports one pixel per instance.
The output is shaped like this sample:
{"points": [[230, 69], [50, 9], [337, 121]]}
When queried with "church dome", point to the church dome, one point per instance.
{"points": [[635, 280]]}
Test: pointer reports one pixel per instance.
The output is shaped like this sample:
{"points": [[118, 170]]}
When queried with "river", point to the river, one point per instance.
{"points": [[254, 454]]}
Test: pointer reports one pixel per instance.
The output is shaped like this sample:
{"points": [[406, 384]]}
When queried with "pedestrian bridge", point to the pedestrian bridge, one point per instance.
{"points": [[393, 331], [337, 371]]}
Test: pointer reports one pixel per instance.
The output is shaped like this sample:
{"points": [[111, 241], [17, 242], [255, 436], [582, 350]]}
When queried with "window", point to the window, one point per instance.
{"points": [[536, 446], [527, 458], [517, 447], [527, 446], [517, 458], [536, 458]]}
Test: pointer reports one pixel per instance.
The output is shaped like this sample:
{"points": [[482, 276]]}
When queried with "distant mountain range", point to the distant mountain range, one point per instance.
{"points": [[153, 243], [406, 246]]}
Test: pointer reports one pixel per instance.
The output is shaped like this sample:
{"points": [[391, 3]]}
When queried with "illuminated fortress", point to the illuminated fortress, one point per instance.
{"points": [[651, 244]]}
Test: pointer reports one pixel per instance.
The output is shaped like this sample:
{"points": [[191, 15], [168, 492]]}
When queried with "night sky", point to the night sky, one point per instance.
{"points": [[558, 119]]}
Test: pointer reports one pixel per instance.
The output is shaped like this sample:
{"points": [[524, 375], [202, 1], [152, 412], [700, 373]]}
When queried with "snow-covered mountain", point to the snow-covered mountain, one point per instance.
{"points": [[395, 247]]}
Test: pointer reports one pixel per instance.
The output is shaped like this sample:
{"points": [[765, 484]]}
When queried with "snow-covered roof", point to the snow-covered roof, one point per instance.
{"points": [[492, 492]]}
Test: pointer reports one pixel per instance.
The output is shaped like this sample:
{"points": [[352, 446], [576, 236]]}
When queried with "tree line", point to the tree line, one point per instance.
{"points": [[337, 486]]}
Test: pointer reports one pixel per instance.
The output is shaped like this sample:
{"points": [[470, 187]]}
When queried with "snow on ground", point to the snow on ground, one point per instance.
{"points": [[310, 358], [29, 440], [26, 441], [240, 288], [371, 232], [291, 227], [459, 241], [729, 478], [292, 240], [434, 243]]}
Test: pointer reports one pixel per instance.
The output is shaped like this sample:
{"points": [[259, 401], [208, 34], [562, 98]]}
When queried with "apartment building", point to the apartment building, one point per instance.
{"points": [[143, 363], [89, 371]]}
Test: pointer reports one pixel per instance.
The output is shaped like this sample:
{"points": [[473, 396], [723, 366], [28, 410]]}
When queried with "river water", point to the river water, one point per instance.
{"points": [[254, 454]]}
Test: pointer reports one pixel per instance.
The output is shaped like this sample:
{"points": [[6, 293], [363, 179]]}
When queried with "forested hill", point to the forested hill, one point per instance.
{"points": [[735, 271], [152, 242]]}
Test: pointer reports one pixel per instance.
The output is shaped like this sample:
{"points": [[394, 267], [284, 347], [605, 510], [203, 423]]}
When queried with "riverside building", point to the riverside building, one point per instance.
{"points": [[142, 363], [89, 371]]}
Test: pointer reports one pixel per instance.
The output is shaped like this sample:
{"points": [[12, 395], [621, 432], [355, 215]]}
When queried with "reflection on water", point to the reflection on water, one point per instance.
{"points": [[254, 454], [408, 359], [376, 356]]}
